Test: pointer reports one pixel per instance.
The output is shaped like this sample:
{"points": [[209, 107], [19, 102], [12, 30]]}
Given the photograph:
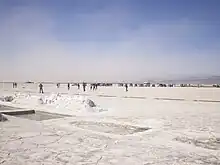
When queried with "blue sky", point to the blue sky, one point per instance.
{"points": [[109, 40]]}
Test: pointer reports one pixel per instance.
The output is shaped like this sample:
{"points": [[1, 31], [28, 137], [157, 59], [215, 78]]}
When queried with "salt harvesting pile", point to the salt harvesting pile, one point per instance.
{"points": [[7, 98], [2, 118], [53, 101]]}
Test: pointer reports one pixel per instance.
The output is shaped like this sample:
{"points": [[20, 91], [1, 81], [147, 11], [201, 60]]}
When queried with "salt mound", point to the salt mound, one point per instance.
{"points": [[65, 100], [2, 118], [89, 103], [7, 99], [25, 95], [49, 99], [80, 103], [57, 101]]}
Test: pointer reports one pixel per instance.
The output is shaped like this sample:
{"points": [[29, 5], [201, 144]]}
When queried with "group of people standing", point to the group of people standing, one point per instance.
{"points": [[68, 86], [14, 85], [93, 86]]}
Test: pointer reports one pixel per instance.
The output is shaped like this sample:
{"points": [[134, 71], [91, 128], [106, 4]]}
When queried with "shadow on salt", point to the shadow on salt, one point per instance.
{"points": [[111, 128], [208, 143]]}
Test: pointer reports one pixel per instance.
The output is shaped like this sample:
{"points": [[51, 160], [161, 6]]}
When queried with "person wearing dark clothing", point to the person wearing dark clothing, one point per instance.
{"points": [[84, 87], [41, 88], [126, 87], [14, 85], [91, 86], [78, 86], [58, 85], [68, 86]]}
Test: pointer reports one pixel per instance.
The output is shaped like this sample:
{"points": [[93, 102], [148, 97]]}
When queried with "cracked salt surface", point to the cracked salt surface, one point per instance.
{"points": [[111, 128], [208, 143], [181, 131]]}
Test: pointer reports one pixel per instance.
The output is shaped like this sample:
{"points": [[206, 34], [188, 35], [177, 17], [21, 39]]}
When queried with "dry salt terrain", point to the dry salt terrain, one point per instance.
{"points": [[143, 126]]}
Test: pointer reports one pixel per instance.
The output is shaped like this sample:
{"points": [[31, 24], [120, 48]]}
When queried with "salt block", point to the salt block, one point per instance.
{"points": [[8, 98], [2, 118], [90, 103]]}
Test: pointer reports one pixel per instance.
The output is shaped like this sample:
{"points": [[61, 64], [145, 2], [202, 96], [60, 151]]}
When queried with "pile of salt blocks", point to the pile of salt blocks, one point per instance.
{"points": [[2, 118]]}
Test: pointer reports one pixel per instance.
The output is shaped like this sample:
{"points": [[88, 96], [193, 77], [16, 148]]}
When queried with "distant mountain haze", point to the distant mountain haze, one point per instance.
{"points": [[189, 80]]}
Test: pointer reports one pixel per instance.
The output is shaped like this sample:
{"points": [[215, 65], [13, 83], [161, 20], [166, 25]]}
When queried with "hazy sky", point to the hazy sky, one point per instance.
{"points": [[108, 40]]}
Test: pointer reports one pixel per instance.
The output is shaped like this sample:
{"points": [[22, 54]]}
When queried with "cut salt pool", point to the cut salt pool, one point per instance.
{"points": [[112, 128], [40, 116]]}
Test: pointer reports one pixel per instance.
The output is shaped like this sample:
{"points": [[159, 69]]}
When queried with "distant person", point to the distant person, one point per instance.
{"points": [[78, 86], [41, 88], [14, 85], [84, 87], [95, 86], [58, 85], [126, 87], [91, 86], [68, 86]]}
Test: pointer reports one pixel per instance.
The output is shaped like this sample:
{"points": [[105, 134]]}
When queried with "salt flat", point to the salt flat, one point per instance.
{"points": [[125, 128]]}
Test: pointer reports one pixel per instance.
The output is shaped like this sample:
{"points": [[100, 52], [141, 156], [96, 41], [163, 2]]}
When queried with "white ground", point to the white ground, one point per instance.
{"points": [[181, 131]]}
